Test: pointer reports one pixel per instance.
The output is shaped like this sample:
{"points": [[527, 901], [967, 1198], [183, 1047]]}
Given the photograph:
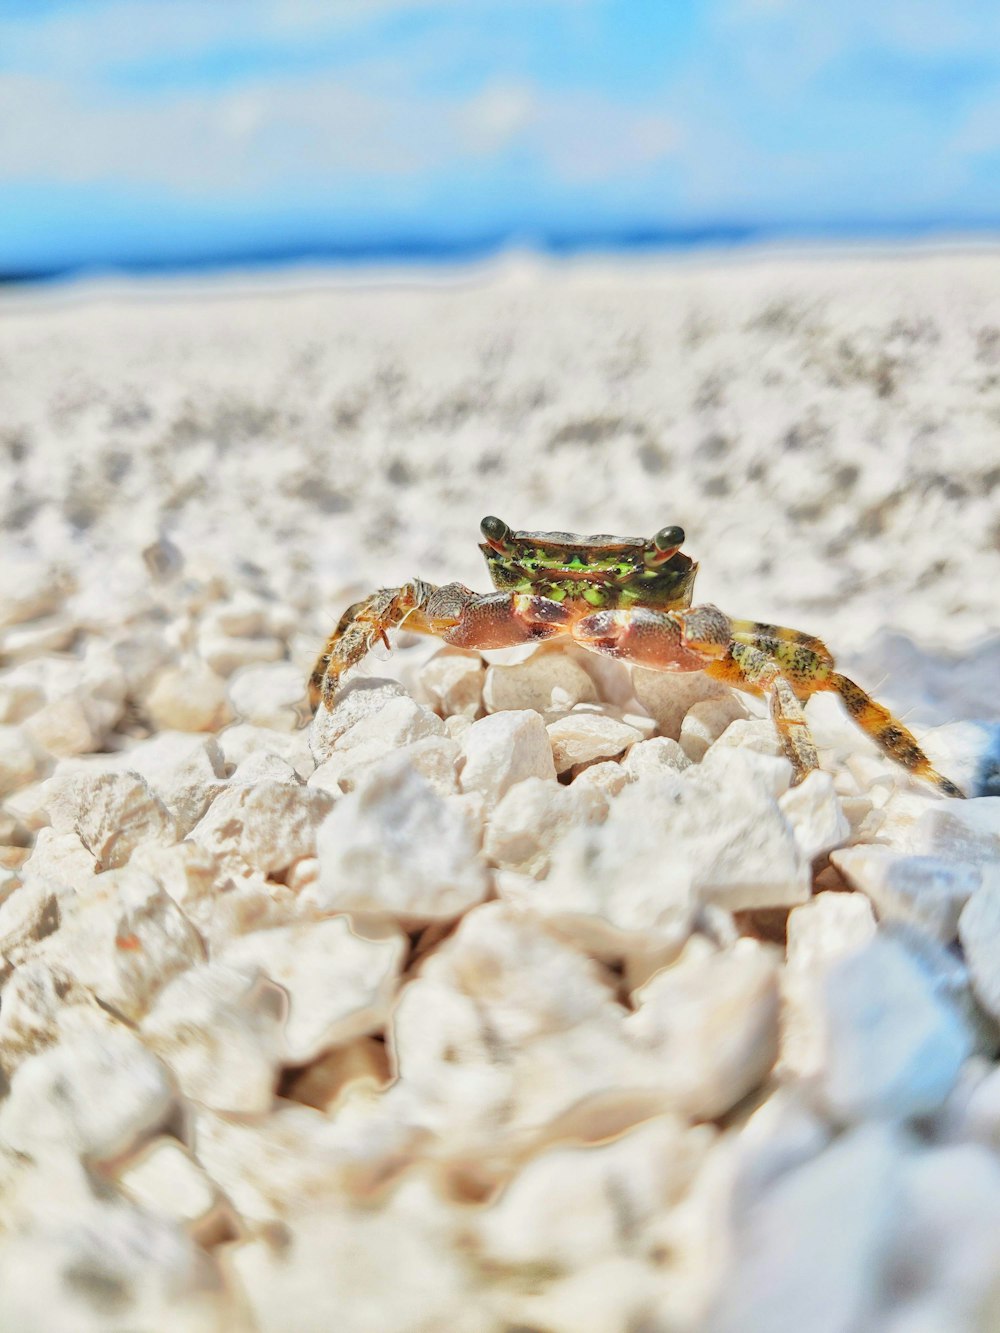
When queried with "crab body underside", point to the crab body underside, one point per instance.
{"points": [[626, 598]]}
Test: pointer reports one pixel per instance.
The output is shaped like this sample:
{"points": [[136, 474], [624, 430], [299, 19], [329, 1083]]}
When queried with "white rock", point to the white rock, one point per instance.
{"points": [[98, 1251], [165, 1178], [713, 1020], [334, 1267], [819, 932], [563, 1209], [29, 914], [668, 695], [242, 740], [707, 720], [398, 722], [816, 1243], [270, 696], [361, 698], [434, 757], [503, 749], [395, 847], [96, 1094], [532, 815], [280, 823], [979, 931], [220, 1029], [226, 653], [339, 984], [452, 682], [21, 694], [615, 1293], [85, 703], [508, 1032], [548, 683], [894, 1050], [606, 778], [186, 771], [30, 589], [581, 737], [925, 890], [814, 812], [20, 760], [47, 634], [752, 733], [649, 759], [116, 813], [960, 830], [31, 1005], [124, 941], [948, 1240], [60, 858], [722, 828], [188, 697], [619, 888]]}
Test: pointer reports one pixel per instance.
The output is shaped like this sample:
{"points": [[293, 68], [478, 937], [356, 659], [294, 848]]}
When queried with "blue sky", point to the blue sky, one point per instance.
{"points": [[176, 130]]}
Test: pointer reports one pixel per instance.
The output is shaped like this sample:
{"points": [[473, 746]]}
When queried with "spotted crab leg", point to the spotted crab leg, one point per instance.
{"points": [[452, 612], [778, 662]]}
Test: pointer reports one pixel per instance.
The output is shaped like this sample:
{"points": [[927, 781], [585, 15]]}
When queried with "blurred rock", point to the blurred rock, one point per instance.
{"points": [[189, 697], [394, 847], [712, 1019], [96, 1094], [925, 890], [893, 1049], [220, 1030], [339, 984]]}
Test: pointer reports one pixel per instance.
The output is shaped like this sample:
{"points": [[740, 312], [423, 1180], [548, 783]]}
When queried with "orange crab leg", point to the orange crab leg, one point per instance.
{"points": [[454, 613], [759, 656]]}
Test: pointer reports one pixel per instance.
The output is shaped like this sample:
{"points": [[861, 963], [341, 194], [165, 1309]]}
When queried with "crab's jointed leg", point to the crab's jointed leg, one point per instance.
{"points": [[775, 661], [452, 612]]}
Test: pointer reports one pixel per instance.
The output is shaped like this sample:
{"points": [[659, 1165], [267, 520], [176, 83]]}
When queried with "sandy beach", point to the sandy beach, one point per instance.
{"points": [[517, 993]]}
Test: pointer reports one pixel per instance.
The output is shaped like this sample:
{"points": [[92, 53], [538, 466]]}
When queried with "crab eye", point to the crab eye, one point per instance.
{"points": [[668, 539], [495, 530]]}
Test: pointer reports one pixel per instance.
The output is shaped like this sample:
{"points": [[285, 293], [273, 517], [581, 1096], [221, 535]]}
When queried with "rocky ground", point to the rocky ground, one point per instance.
{"points": [[519, 994]]}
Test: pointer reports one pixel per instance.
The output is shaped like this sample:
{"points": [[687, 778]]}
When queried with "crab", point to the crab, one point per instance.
{"points": [[629, 598]]}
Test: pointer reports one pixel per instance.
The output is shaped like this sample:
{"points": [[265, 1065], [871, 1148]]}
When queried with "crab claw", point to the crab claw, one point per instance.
{"points": [[650, 638]]}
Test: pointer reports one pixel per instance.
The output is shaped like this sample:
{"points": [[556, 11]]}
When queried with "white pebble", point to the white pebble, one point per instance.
{"points": [[116, 813], [395, 847], [814, 812], [339, 984], [532, 815], [548, 682], [97, 1094], [452, 682], [706, 721], [220, 1030], [979, 931], [270, 696], [503, 749], [821, 931], [188, 697], [582, 737], [712, 1018], [893, 1049], [125, 939], [668, 695], [358, 700], [926, 890]]}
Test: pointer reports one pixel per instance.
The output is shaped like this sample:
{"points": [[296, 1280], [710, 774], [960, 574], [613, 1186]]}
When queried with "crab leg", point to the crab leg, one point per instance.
{"points": [[805, 666], [452, 612]]}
